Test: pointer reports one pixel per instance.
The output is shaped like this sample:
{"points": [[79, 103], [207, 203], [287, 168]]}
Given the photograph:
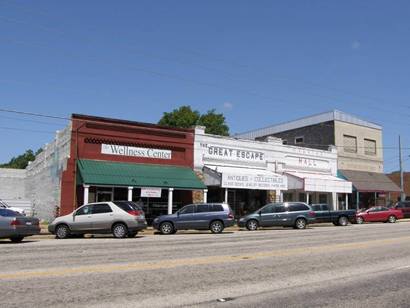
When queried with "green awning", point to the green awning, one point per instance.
{"points": [[95, 172]]}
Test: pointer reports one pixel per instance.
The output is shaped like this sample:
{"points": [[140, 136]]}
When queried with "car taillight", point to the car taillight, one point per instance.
{"points": [[230, 215], [311, 214], [15, 222], [136, 213]]}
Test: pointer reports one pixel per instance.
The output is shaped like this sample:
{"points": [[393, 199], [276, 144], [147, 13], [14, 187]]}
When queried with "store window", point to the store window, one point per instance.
{"points": [[350, 144], [299, 140], [369, 147], [302, 197], [322, 198], [287, 197]]}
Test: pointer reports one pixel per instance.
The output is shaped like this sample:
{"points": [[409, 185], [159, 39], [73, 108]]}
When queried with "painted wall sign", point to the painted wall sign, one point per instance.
{"points": [[124, 150], [254, 181], [151, 192], [226, 153], [307, 162]]}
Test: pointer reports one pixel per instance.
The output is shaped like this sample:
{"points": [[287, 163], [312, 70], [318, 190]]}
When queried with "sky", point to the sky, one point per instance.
{"points": [[258, 62]]}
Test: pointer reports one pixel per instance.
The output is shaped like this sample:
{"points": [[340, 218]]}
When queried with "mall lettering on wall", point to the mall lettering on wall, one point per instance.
{"points": [[307, 162], [254, 181], [123, 150], [226, 153]]}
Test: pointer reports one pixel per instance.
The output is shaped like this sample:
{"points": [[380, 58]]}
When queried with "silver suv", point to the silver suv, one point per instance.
{"points": [[121, 218]]}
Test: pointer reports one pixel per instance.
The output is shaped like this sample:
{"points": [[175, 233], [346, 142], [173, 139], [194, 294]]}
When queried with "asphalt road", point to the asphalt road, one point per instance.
{"points": [[354, 266]]}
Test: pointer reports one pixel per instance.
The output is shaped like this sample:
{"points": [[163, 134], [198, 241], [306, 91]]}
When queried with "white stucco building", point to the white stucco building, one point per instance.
{"points": [[248, 173]]}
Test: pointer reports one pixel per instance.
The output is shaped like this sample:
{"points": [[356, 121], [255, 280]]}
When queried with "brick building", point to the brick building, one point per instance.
{"points": [[101, 159], [395, 177]]}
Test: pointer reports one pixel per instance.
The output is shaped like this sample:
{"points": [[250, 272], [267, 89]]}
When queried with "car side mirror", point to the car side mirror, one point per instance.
{"points": [[178, 214], [260, 212]]}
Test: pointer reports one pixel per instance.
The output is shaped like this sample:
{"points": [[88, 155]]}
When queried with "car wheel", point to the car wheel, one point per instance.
{"points": [[300, 223], [342, 221], [252, 225], [119, 230], [62, 232], [216, 226], [166, 228], [132, 234], [359, 220], [392, 219], [17, 239]]}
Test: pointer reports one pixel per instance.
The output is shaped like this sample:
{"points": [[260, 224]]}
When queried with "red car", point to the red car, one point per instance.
{"points": [[379, 213]]}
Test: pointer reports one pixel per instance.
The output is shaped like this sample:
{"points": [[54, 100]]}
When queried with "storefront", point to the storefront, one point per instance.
{"points": [[238, 172], [369, 188], [122, 160], [312, 177], [248, 174]]}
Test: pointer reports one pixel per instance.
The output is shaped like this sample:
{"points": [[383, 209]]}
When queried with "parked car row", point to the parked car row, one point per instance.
{"points": [[126, 219]]}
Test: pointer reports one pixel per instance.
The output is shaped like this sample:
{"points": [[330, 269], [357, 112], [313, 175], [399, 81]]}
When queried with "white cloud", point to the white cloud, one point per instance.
{"points": [[356, 45], [228, 105]]}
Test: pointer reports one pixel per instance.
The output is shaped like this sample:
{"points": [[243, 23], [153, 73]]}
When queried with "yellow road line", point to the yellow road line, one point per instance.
{"points": [[168, 264]]}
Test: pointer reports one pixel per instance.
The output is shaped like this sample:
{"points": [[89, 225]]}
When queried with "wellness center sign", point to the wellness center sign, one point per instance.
{"points": [[124, 150]]}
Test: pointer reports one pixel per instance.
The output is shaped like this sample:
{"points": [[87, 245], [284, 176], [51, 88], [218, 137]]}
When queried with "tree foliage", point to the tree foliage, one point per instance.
{"points": [[185, 117], [21, 161]]}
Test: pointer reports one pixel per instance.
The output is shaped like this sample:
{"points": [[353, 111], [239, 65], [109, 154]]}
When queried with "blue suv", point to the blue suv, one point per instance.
{"points": [[201, 216]]}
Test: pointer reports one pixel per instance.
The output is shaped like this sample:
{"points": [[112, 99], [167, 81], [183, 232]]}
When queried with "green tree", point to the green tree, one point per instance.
{"points": [[215, 123], [21, 161], [185, 117]]}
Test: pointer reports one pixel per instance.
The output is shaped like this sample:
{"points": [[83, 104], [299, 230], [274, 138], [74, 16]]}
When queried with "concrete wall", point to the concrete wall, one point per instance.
{"points": [[359, 161], [12, 183], [44, 175]]}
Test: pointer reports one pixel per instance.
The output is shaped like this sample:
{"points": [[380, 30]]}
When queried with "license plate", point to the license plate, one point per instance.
{"points": [[28, 222]]}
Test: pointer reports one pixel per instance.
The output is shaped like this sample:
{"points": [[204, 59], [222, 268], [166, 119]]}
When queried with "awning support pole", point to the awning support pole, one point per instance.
{"points": [[226, 195], [278, 195], [130, 193], [347, 201], [334, 201], [170, 194], [86, 193], [205, 195], [357, 200], [307, 198]]}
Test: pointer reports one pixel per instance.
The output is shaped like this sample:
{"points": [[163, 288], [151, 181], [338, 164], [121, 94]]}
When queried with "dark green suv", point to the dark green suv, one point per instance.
{"points": [[287, 214]]}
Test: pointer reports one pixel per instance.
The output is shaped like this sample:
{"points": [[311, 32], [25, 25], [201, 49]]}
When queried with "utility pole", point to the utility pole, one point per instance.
{"points": [[401, 173]]}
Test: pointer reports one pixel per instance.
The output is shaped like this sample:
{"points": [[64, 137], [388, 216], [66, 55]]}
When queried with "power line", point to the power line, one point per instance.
{"points": [[28, 120], [34, 114], [26, 130], [179, 78], [69, 119]]}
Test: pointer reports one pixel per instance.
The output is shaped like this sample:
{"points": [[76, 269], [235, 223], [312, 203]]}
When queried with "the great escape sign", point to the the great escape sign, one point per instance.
{"points": [[227, 153]]}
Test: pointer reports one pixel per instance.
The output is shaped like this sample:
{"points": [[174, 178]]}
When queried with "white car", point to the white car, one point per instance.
{"points": [[15, 209], [121, 218]]}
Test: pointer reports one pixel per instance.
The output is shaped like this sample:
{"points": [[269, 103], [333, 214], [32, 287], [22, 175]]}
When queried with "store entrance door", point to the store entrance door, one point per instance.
{"points": [[104, 195]]}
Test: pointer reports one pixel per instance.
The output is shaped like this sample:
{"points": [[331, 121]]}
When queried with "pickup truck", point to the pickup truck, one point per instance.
{"points": [[338, 218]]}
